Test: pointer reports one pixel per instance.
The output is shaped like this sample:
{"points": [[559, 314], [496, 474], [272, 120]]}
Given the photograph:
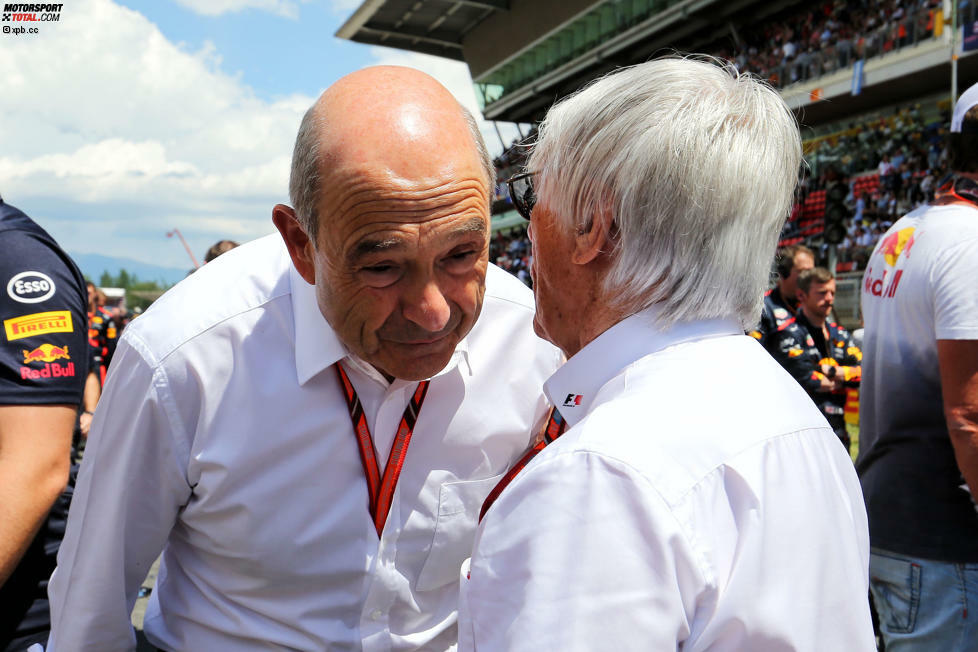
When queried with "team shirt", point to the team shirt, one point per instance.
{"points": [[43, 361], [920, 286]]}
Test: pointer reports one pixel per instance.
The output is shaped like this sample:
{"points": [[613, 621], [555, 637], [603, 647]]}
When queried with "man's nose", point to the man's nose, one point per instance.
{"points": [[427, 307]]}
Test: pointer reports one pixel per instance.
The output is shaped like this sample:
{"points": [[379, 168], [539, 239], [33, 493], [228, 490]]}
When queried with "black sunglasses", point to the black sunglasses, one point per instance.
{"points": [[521, 192]]}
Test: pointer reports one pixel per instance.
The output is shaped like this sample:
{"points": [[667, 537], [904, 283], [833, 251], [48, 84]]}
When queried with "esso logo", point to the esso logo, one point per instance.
{"points": [[30, 287]]}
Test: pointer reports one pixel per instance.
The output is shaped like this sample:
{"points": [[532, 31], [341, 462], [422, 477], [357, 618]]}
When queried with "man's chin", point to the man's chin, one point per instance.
{"points": [[416, 361]]}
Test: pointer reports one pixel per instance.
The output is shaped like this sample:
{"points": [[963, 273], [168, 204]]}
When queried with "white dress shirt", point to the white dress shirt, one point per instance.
{"points": [[698, 501], [224, 440]]}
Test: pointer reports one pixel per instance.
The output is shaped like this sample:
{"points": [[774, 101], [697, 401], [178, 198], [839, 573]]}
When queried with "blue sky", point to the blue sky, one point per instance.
{"points": [[128, 118], [275, 53]]}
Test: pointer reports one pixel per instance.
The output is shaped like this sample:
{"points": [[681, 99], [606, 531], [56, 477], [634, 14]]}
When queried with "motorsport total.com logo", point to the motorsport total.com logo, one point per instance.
{"points": [[30, 13]]}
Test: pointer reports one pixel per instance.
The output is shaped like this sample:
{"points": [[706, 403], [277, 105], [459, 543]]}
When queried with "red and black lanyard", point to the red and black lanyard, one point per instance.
{"points": [[381, 491], [555, 428]]}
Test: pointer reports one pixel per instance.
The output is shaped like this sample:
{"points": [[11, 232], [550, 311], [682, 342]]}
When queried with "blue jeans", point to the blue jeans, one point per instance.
{"points": [[924, 605]]}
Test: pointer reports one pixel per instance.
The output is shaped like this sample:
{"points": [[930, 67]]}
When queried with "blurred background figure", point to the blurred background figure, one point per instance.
{"points": [[218, 248]]}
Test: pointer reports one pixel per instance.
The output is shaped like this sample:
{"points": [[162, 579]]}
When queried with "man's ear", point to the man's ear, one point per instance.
{"points": [[296, 240], [596, 239]]}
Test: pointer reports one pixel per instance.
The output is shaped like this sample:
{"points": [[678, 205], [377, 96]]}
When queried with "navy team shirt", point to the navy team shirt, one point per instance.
{"points": [[43, 361]]}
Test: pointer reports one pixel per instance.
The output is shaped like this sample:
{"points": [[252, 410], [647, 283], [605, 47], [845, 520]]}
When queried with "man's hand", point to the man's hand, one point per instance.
{"points": [[85, 423], [35, 452], [93, 391], [958, 360], [825, 384]]}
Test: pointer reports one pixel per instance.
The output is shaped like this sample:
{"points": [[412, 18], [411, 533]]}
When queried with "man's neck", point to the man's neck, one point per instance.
{"points": [[599, 319], [787, 300], [813, 320]]}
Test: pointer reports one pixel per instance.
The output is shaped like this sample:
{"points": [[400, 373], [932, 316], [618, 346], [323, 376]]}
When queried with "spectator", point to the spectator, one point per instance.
{"points": [[918, 458], [218, 248]]}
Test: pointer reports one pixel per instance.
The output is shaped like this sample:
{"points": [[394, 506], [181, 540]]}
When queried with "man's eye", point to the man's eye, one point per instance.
{"points": [[460, 261], [379, 276]]}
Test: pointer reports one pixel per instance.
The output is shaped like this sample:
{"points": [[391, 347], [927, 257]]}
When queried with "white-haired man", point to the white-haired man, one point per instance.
{"points": [[699, 499]]}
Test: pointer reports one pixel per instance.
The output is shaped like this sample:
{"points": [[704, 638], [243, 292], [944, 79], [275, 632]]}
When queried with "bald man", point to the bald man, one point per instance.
{"points": [[311, 451]]}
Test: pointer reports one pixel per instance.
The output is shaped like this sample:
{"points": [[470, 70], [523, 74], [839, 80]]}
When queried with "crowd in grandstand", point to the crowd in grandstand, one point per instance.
{"points": [[814, 40], [893, 163]]}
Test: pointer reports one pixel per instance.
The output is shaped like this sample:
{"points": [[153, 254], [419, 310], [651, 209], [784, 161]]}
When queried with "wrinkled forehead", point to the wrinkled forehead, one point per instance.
{"points": [[376, 202]]}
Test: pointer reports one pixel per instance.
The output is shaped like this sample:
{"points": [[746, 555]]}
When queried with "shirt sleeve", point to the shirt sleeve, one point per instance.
{"points": [[578, 554], [852, 358], [43, 348], [956, 292], [120, 516]]}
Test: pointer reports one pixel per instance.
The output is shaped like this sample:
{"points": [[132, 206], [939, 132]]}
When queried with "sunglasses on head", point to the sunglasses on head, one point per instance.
{"points": [[522, 194]]}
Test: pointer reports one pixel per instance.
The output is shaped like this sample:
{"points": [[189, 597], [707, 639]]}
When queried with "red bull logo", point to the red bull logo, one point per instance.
{"points": [[49, 371], [878, 287], [46, 353], [898, 242]]}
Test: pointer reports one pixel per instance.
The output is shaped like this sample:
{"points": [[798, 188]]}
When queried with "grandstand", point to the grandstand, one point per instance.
{"points": [[866, 78]]}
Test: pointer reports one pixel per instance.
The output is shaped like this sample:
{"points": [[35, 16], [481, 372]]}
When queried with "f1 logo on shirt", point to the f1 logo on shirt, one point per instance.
{"points": [[573, 400], [30, 287]]}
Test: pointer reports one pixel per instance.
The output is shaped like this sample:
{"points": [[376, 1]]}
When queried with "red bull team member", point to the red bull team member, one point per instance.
{"points": [[311, 450], [781, 301], [918, 450], [43, 368], [102, 331], [817, 352]]}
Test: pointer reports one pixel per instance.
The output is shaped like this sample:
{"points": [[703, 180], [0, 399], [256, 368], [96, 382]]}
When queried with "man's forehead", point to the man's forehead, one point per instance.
{"points": [[396, 166], [396, 238]]}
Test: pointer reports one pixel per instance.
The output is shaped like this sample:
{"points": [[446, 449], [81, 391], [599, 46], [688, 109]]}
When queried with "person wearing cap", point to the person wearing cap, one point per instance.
{"points": [[698, 500], [311, 450], [918, 457]]}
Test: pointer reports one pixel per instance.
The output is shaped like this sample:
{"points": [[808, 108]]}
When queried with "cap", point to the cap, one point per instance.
{"points": [[967, 100]]}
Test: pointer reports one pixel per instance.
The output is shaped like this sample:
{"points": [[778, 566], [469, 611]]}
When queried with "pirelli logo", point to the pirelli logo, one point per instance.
{"points": [[40, 323]]}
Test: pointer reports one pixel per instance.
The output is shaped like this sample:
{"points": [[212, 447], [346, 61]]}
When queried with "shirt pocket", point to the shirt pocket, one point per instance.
{"points": [[458, 513]]}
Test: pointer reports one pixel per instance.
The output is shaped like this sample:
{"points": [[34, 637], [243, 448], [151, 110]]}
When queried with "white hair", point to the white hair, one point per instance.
{"points": [[696, 163], [304, 179]]}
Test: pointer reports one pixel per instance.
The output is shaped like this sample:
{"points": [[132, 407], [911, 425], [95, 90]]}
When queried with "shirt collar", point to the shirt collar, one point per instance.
{"points": [[573, 387], [316, 343], [317, 346]]}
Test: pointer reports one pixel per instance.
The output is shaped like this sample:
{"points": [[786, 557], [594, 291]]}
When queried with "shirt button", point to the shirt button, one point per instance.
{"points": [[377, 614]]}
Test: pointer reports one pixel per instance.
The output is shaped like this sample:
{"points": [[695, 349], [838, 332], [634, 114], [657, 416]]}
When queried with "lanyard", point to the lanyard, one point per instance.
{"points": [[381, 491], [555, 428]]}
